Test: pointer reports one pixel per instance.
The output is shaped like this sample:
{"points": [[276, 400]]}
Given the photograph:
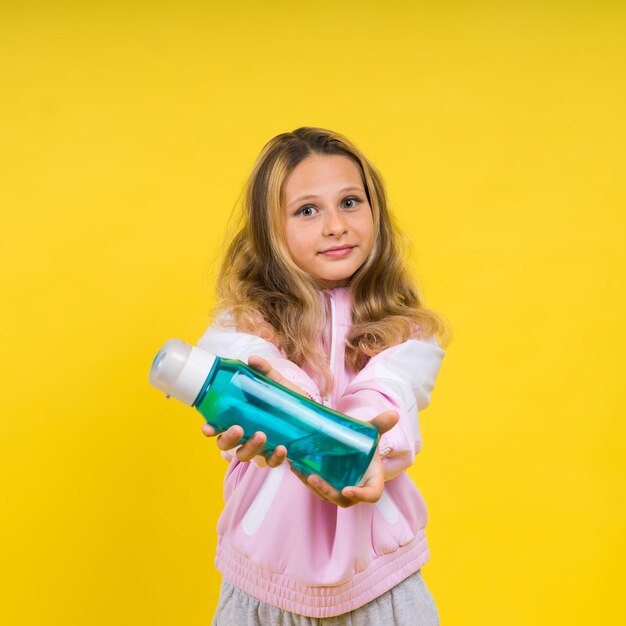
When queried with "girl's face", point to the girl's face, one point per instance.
{"points": [[328, 219]]}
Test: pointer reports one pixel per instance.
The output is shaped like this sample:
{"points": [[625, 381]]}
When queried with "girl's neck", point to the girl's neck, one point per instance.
{"points": [[330, 289]]}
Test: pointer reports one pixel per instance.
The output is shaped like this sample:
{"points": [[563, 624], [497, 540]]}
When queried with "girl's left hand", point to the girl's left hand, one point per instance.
{"points": [[372, 483]]}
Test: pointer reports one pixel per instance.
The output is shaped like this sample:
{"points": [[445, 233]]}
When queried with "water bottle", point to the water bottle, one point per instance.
{"points": [[319, 440]]}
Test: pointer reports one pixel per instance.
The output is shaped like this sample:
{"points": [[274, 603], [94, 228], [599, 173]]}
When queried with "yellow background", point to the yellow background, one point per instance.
{"points": [[126, 133]]}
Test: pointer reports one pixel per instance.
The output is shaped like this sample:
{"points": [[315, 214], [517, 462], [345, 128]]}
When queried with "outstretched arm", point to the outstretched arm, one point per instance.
{"points": [[399, 379]]}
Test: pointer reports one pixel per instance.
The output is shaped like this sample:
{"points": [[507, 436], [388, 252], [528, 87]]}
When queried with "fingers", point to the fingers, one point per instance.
{"points": [[225, 439], [259, 364], [259, 460], [277, 457], [304, 479], [370, 492], [326, 490], [362, 494], [271, 458], [262, 366], [323, 490], [252, 447], [385, 421], [373, 483], [228, 439], [208, 430]]}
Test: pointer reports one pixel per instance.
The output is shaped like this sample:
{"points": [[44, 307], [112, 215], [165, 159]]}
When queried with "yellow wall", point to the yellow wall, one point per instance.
{"points": [[126, 132]]}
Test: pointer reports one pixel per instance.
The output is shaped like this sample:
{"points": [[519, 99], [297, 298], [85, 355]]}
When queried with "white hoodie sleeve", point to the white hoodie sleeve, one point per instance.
{"points": [[399, 379]]}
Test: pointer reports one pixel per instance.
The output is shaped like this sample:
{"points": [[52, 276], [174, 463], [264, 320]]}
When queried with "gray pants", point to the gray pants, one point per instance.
{"points": [[407, 604]]}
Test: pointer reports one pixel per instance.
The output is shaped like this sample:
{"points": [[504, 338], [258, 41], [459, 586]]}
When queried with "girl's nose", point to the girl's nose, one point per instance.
{"points": [[334, 224]]}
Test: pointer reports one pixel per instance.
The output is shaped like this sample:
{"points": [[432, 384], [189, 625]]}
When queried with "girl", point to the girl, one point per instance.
{"points": [[313, 293]]}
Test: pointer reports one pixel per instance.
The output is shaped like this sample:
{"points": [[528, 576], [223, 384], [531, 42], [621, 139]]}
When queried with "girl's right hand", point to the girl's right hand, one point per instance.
{"points": [[251, 450]]}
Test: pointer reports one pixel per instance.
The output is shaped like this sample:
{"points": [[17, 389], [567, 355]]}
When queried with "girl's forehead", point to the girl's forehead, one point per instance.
{"points": [[320, 174]]}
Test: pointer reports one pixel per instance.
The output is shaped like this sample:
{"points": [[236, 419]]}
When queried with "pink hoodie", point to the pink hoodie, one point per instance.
{"points": [[282, 544]]}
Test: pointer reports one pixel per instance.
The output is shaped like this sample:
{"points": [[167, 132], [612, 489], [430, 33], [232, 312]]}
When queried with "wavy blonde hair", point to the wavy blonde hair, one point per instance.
{"points": [[267, 294]]}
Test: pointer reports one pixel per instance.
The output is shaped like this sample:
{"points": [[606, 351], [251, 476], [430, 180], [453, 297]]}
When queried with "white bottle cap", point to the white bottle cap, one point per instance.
{"points": [[180, 370]]}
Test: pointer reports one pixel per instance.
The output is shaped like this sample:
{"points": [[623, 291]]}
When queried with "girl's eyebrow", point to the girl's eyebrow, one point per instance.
{"points": [[309, 196]]}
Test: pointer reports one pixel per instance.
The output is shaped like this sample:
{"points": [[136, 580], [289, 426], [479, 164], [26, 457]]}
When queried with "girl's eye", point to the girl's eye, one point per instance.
{"points": [[307, 211], [353, 201]]}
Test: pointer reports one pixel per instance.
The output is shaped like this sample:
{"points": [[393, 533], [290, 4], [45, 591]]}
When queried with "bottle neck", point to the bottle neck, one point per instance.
{"points": [[207, 383]]}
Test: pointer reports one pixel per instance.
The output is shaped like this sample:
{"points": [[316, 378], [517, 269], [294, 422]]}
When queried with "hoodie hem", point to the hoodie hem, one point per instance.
{"points": [[288, 594]]}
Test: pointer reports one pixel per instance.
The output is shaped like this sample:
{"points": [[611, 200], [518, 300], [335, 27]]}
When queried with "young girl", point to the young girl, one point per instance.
{"points": [[313, 292]]}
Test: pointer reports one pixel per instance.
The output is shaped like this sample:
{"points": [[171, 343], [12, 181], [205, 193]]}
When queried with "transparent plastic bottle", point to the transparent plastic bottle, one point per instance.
{"points": [[319, 440]]}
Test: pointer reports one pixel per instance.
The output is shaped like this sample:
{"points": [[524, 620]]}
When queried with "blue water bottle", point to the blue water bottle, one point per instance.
{"points": [[227, 391]]}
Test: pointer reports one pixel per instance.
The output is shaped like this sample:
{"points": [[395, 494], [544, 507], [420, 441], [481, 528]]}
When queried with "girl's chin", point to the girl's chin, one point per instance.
{"points": [[332, 283]]}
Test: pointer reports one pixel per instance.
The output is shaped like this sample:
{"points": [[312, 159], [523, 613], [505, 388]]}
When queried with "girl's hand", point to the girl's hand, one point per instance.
{"points": [[372, 483], [251, 450]]}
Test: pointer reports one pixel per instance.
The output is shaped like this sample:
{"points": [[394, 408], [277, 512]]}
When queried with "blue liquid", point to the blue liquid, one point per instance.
{"points": [[318, 440], [319, 455]]}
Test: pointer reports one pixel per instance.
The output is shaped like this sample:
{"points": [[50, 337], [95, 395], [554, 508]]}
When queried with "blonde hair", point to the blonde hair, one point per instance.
{"points": [[267, 294]]}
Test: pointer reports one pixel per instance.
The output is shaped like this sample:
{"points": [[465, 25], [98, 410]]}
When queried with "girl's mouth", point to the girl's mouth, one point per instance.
{"points": [[338, 252]]}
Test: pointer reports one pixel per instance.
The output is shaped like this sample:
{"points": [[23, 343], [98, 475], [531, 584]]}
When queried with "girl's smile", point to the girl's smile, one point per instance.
{"points": [[338, 252], [328, 220]]}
